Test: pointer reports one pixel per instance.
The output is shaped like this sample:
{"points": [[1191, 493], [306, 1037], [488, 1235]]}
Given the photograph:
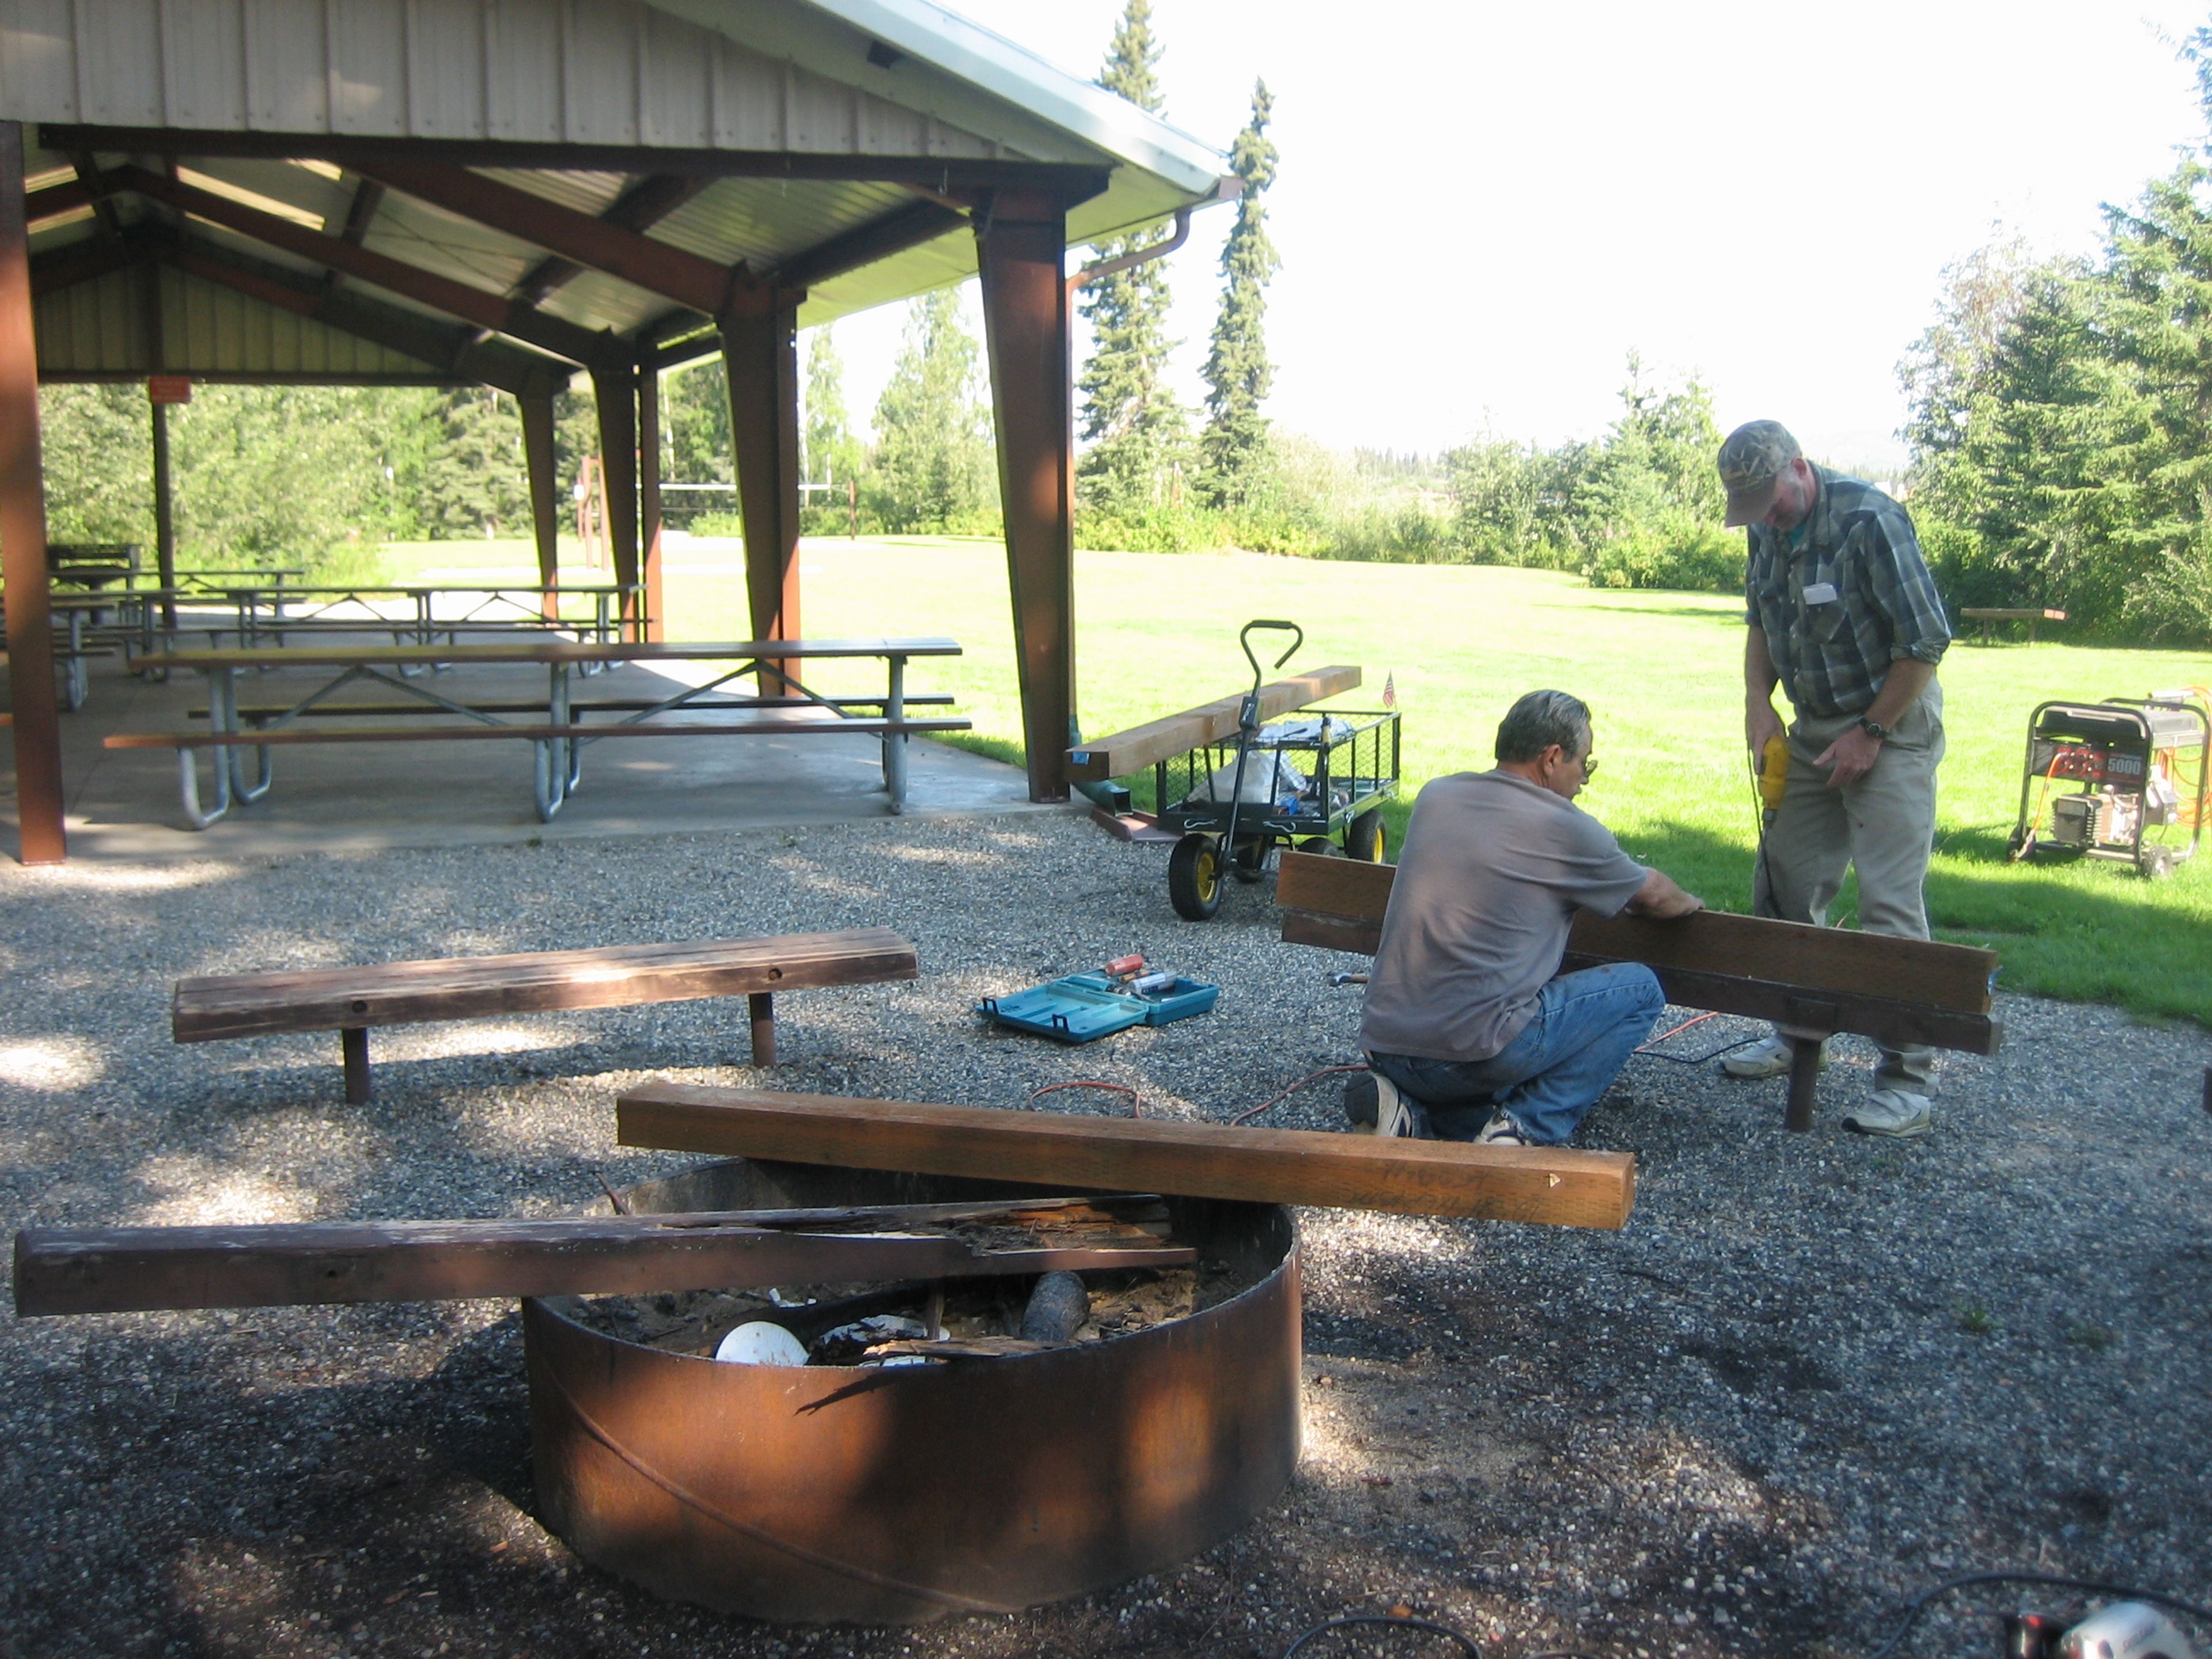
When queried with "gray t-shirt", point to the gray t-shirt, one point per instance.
{"points": [[1491, 872]]}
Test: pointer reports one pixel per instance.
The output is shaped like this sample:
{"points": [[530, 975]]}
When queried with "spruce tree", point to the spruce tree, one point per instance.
{"points": [[933, 437], [1135, 429], [1238, 372]]}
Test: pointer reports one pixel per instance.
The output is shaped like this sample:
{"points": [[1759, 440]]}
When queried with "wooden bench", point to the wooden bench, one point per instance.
{"points": [[1988, 616], [1811, 982], [348, 1000]]}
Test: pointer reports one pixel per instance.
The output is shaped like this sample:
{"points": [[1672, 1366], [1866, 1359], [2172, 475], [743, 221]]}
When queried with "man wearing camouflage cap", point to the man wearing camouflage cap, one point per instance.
{"points": [[1845, 618]]}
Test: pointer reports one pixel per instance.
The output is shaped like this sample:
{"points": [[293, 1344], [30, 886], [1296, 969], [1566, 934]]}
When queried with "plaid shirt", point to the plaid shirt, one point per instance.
{"points": [[1850, 599]]}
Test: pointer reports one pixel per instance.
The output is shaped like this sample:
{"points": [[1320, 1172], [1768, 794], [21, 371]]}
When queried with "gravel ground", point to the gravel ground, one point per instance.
{"points": [[1812, 1376]]}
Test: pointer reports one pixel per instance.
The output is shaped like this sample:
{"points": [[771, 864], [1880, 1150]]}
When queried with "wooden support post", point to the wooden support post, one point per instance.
{"points": [[353, 1043], [1019, 243], [164, 514], [36, 718], [616, 395], [538, 456], [760, 353], [1804, 1082], [648, 500], [761, 1005]]}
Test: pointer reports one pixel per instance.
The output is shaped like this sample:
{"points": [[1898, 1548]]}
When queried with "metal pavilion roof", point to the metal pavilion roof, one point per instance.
{"points": [[226, 146]]}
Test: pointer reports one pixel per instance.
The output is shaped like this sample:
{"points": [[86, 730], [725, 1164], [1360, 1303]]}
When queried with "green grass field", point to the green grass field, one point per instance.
{"points": [[1661, 672]]}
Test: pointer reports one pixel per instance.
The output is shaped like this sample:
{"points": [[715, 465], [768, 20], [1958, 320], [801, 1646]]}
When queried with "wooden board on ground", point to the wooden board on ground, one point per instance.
{"points": [[1893, 989], [609, 976], [134, 1269], [1124, 752], [1197, 1160]]}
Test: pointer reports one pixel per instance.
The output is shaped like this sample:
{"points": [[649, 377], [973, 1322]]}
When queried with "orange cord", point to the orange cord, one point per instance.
{"points": [[1276, 1100], [1136, 1104], [1697, 1020]]}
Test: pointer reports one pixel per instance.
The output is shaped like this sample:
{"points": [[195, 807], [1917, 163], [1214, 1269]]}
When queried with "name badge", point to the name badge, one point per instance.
{"points": [[1820, 593]]}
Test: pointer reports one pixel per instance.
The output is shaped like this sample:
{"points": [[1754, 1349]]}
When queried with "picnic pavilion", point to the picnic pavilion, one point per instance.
{"points": [[515, 193]]}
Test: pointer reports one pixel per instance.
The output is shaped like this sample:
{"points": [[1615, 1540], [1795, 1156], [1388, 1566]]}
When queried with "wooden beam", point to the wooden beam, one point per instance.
{"points": [[659, 268], [37, 722], [1894, 990], [760, 357], [84, 262], [367, 197], [908, 227], [1124, 752], [473, 305], [539, 461], [649, 523], [1071, 182], [134, 1269], [55, 200], [1197, 1160], [643, 205]]}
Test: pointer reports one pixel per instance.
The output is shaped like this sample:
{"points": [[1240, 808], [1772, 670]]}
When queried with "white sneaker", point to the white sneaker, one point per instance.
{"points": [[1897, 1112], [1375, 1107], [1499, 1132], [1768, 1058]]}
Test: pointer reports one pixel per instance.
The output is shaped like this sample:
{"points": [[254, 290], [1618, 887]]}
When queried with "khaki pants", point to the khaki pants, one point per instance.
{"points": [[1883, 826]]}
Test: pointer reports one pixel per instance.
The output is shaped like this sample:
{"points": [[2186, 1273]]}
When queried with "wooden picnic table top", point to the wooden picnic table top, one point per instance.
{"points": [[547, 651], [1988, 613], [294, 591]]}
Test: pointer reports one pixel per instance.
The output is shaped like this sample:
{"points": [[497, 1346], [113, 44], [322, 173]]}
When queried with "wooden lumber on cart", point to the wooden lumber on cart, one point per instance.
{"points": [[134, 1269], [1818, 979], [1124, 752], [1197, 1160]]}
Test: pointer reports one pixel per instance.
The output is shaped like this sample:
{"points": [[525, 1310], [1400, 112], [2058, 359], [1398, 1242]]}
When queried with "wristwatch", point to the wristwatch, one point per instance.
{"points": [[1873, 729]]}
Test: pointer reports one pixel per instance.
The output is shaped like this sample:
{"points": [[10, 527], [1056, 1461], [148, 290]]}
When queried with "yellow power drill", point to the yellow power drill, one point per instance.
{"points": [[1773, 776]]}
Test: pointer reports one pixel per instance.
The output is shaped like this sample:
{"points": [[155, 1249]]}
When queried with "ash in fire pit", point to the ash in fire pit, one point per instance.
{"points": [[1010, 1473]]}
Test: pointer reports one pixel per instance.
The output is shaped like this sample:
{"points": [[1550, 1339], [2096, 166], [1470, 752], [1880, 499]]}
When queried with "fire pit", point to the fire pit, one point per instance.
{"points": [[900, 1494]]}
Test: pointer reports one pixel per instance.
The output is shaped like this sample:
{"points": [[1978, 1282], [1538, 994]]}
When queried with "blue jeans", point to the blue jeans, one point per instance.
{"points": [[1584, 1028]]}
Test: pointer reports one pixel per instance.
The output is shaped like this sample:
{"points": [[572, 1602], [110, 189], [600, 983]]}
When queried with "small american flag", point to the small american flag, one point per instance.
{"points": [[1390, 690]]}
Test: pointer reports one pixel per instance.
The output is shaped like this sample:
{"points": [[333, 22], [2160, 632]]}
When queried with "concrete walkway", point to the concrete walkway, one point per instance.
{"points": [[122, 803]]}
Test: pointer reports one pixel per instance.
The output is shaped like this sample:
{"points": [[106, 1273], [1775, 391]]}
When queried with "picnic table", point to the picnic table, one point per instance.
{"points": [[1990, 615], [262, 610], [559, 736]]}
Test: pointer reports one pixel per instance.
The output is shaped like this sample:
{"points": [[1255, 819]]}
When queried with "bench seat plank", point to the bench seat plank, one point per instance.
{"points": [[1198, 1160], [291, 736], [210, 1009]]}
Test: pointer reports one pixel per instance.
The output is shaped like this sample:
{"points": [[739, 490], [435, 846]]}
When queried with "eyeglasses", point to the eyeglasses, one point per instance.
{"points": [[1589, 765]]}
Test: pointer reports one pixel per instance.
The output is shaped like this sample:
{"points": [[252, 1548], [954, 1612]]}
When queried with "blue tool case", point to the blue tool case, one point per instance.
{"points": [[1079, 1007]]}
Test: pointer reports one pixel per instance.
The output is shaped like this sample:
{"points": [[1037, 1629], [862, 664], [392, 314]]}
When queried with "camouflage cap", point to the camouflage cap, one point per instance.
{"points": [[1755, 455]]}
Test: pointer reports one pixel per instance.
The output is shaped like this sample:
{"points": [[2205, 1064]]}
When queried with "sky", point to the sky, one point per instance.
{"points": [[1483, 209]]}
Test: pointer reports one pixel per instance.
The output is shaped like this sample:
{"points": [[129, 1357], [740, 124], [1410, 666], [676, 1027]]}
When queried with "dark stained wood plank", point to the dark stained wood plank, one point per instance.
{"points": [[1124, 752], [296, 736], [1831, 961], [1200, 1160], [209, 1009], [133, 1269]]}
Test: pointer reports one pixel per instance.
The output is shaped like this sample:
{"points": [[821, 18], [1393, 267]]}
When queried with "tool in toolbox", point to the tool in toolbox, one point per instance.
{"points": [[1298, 781], [1083, 1007], [2121, 768]]}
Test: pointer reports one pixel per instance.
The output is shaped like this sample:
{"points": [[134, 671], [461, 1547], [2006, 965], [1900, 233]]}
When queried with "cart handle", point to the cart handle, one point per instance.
{"points": [[1243, 639]]}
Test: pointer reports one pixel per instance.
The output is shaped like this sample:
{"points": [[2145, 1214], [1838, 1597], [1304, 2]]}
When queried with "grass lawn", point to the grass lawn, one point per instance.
{"points": [[1661, 671]]}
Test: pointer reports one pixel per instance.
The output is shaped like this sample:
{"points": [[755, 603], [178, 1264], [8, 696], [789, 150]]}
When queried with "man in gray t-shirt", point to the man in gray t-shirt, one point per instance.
{"points": [[1469, 1019]]}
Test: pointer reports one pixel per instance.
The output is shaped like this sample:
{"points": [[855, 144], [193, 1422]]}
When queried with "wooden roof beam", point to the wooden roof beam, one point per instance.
{"points": [[83, 262], [472, 304], [56, 199], [639, 208], [908, 227], [659, 268]]}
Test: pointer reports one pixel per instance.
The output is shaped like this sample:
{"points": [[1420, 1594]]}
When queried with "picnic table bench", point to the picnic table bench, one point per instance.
{"points": [[349, 1000], [558, 739], [1989, 616], [1812, 982]]}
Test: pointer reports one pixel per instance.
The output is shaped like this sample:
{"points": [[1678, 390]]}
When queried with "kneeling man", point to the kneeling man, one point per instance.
{"points": [[1468, 1020]]}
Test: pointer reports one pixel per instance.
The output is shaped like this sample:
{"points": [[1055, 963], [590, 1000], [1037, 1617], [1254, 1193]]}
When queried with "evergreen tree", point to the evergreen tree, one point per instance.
{"points": [[833, 454], [98, 448], [697, 399], [475, 479], [933, 461], [1238, 372], [1135, 429]]}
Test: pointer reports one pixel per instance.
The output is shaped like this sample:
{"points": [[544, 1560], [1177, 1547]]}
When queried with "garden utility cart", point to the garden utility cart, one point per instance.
{"points": [[2100, 777], [1300, 781]]}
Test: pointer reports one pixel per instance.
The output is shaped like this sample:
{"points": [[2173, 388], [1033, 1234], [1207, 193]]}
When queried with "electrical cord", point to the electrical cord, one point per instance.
{"points": [[1136, 1103], [2090, 1586], [1277, 1100], [1652, 1047]]}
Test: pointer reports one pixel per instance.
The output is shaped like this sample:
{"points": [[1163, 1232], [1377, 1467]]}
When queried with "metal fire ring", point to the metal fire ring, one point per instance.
{"points": [[895, 1496]]}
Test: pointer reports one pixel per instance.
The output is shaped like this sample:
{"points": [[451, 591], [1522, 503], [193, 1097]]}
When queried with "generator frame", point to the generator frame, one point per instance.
{"points": [[2112, 749]]}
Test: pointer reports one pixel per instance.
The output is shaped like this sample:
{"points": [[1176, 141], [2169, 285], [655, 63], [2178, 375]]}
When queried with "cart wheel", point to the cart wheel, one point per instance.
{"points": [[2157, 863], [1319, 846], [1249, 862], [1194, 877], [1365, 840]]}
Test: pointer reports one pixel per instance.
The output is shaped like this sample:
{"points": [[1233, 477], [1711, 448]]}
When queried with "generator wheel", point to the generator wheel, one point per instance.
{"points": [[2157, 863], [1194, 877], [1365, 840]]}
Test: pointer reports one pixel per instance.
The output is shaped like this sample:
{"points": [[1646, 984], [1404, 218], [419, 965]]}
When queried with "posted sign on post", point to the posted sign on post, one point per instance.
{"points": [[169, 389]]}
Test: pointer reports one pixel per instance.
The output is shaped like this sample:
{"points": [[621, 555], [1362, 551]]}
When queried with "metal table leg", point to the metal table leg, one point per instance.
{"points": [[223, 717], [895, 742]]}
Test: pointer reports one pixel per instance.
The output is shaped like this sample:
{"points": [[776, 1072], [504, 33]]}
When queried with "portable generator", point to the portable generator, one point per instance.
{"points": [[2124, 779]]}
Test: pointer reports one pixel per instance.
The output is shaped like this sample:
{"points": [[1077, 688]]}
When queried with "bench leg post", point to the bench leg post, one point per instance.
{"points": [[1804, 1080], [353, 1041], [762, 1003]]}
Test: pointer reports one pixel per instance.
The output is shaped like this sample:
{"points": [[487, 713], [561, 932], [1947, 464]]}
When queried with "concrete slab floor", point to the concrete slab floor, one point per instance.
{"points": [[123, 804]]}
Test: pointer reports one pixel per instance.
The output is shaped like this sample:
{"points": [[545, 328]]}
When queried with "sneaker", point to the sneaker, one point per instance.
{"points": [[1897, 1112], [1499, 1132], [1375, 1107], [1768, 1058]]}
